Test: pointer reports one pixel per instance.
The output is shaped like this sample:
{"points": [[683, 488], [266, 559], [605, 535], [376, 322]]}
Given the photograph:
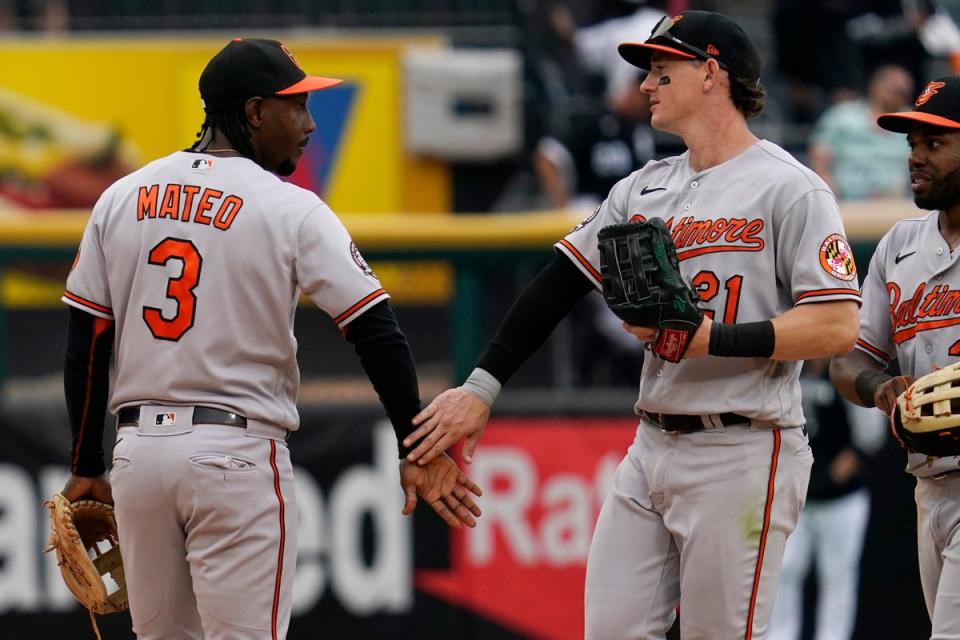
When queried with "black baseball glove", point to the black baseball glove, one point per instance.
{"points": [[643, 286]]}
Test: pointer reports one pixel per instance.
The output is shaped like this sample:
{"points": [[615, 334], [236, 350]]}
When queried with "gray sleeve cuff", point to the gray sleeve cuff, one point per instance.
{"points": [[481, 384]]}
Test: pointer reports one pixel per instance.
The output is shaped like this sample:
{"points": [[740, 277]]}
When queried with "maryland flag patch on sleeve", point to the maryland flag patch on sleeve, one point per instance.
{"points": [[836, 258]]}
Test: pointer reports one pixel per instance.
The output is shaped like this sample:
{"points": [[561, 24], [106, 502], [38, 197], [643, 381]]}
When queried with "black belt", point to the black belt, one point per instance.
{"points": [[130, 417], [682, 423]]}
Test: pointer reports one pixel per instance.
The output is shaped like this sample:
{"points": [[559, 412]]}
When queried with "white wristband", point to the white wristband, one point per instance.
{"points": [[481, 384]]}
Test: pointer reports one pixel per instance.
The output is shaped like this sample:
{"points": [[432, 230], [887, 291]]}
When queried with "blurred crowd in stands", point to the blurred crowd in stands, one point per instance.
{"points": [[832, 65]]}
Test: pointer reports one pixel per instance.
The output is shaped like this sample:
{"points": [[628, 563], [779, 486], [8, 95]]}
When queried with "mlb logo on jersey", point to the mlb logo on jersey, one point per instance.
{"points": [[202, 163], [165, 419]]}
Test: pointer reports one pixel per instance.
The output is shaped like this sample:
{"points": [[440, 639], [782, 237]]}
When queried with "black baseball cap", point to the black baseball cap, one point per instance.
{"points": [[703, 35], [251, 67], [937, 105]]}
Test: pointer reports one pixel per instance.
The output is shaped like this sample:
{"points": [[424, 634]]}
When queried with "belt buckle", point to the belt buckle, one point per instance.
{"points": [[663, 427]]}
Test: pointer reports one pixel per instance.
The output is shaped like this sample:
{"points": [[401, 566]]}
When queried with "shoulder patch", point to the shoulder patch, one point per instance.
{"points": [[358, 259], [836, 258]]}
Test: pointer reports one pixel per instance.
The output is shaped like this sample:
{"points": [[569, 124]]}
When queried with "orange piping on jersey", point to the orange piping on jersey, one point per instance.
{"points": [[87, 303], [828, 292], [349, 312], [693, 253], [771, 483], [866, 346], [99, 326], [911, 332], [583, 261], [283, 540]]}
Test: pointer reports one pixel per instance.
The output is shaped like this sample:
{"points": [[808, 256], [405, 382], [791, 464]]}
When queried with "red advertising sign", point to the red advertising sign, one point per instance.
{"points": [[544, 480]]}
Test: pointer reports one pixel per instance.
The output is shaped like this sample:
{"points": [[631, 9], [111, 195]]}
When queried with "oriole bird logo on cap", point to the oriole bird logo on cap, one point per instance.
{"points": [[290, 55], [928, 92]]}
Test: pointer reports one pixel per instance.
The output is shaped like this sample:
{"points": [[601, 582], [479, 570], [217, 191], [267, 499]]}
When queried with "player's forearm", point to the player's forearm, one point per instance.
{"points": [[849, 368], [86, 382], [816, 330], [388, 362]]}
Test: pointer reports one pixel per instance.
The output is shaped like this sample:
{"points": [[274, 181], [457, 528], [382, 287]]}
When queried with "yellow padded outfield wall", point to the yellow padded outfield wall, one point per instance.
{"points": [[146, 89]]}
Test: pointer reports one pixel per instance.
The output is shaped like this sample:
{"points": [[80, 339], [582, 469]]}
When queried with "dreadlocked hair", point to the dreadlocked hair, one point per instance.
{"points": [[231, 122]]}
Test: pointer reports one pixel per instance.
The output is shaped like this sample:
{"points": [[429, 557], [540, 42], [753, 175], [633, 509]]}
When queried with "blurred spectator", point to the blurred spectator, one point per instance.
{"points": [[568, 110], [49, 16], [600, 148], [889, 32], [852, 154], [576, 171], [832, 525], [596, 45], [818, 61]]}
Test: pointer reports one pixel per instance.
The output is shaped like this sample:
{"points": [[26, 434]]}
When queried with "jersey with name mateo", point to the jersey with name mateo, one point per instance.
{"points": [[911, 309], [755, 236], [200, 262]]}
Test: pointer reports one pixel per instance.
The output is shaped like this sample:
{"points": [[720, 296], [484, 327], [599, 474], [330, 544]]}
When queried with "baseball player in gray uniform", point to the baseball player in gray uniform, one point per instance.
{"points": [[188, 276], [703, 502], [911, 313]]}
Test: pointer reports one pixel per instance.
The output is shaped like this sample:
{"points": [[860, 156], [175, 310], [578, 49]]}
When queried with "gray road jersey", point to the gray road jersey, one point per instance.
{"points": [[911, 309], [755, 235], [200, 262]]}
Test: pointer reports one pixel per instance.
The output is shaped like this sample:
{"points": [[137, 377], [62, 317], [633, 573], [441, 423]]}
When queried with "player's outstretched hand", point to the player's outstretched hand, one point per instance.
{"points": [[79, 487], [443, 485], [452, 415], [887, 393]]}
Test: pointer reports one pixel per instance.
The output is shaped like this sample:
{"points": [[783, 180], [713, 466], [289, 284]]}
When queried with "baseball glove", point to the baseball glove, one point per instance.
{"points": [[926, 417], [643, 286], [76, 527]]}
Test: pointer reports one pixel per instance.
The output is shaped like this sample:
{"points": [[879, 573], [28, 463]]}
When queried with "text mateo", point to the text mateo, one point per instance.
{"points": [[187, 203]]}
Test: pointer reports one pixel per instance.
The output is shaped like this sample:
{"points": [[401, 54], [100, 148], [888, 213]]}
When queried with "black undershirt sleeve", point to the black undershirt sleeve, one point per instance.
{"points": [[388, 362], [86, 383], [533, 316]]}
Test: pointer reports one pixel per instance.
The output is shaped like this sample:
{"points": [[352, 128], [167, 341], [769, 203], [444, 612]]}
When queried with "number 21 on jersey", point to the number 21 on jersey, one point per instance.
{"points": [[707, 285]]}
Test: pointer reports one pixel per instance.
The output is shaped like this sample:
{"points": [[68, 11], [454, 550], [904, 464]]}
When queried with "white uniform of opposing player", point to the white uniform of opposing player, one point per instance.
{"points": [[191, 257]]}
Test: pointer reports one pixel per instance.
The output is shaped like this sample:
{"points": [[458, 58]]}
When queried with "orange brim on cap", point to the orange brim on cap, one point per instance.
{"points": [[638, 53], [310, 83], [901, 122]]}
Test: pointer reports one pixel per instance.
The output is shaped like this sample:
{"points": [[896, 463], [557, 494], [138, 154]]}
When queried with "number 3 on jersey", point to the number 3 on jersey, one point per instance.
{"points": [[179, 289]]}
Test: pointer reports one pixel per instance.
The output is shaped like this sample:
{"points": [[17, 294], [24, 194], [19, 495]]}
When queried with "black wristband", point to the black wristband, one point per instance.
{"points": [[866, 385], [742, 340]]}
